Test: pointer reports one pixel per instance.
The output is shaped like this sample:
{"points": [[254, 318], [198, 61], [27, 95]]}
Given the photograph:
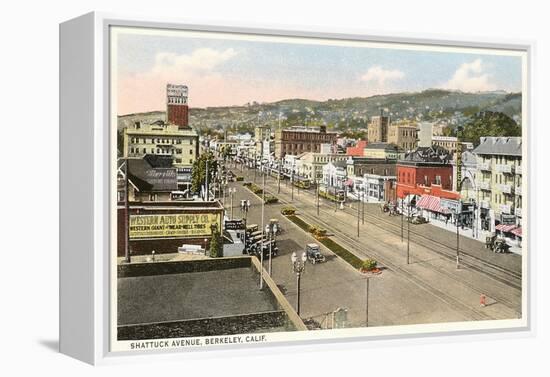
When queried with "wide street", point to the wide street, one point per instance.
{"points": [[428, 290]]}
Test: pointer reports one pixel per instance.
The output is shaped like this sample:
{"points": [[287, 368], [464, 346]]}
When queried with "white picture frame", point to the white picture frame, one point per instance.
{"points": [[85, 186]]}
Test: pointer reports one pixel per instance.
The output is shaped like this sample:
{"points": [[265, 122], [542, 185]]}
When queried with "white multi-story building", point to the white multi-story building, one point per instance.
{"points": [[499, 182]]}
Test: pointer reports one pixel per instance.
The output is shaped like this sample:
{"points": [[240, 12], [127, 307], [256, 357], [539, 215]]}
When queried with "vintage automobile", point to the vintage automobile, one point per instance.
{"points": [[313, 253], [496, 244], [419, 220]]}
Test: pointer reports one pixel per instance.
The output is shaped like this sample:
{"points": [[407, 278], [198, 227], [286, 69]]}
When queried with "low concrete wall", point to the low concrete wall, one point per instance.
{"points": [[280, 298], [178, 267], [240, 324]]}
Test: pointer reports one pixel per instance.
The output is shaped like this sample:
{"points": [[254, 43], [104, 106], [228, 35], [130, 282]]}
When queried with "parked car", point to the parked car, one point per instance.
{"points": [[313, 253], [419, 220]]}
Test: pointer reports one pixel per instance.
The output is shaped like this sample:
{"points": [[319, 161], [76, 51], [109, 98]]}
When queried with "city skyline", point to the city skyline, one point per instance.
{"points": [[233, 72]]}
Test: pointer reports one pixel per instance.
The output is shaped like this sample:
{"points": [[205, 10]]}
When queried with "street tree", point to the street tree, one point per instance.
{"points": [[198, 175], [489, 123], [216, 244]]}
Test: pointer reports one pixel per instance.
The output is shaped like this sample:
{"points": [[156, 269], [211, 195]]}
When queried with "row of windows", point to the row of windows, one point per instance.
{"points": [[159, 150], [501, 160], [407, 177], [308, 136], [181, 100], [143, 140]]}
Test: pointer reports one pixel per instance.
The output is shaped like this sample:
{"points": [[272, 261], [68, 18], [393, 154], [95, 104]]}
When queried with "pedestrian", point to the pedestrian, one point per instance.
{"points": [[482, 300], [446, 220]]}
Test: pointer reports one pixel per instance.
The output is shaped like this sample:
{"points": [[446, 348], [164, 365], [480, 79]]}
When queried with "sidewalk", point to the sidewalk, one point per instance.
{"points": [[468, 232]]}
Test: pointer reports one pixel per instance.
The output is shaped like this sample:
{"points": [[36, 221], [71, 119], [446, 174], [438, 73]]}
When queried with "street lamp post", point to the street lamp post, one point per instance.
{"points": [[358, 214], [232, 192], [205, 244], [271, 230], [279, 178], [408, 233], [254, 167], [153, 255], [262, 240], [368, 275], [224, 190], [402, 218], [298, 266], [244, 208], [457, 241], [292, 183], [317, 191], [367, 305], [363, 207]]}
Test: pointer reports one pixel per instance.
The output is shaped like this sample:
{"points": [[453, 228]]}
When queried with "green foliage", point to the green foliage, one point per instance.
{"points": [[368, 264], [489, 123], [198, 175], [226, 151], [352, 134], [342, 252], [288, 210], [317, 232], [270, 199], [335, 247], [298, 221], [216, 245], [239, 178]]}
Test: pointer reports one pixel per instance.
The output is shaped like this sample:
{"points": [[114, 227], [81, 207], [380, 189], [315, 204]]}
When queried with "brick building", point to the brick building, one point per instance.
{"points": [[426, 171], [358, 149], [298, 140], [359, 166], [177, 109]]}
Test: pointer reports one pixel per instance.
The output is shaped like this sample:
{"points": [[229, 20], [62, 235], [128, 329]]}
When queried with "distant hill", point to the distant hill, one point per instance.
{"points": [[348, 113]]}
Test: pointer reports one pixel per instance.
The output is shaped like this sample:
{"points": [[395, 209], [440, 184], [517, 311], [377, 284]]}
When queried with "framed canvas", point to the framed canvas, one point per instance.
{"points": [[228, 187]]}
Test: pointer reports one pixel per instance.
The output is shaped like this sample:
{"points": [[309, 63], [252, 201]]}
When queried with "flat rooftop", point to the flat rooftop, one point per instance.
{"points": [[191, 295]]}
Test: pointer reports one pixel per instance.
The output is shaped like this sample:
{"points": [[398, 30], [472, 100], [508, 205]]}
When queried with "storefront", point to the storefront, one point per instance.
{"points": [[430, 207], [509, 230]]}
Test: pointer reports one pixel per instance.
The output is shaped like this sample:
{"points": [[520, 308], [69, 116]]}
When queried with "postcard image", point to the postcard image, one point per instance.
{"points": [[270, 188]]}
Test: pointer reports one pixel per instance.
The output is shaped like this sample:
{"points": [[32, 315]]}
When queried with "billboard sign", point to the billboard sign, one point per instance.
{"points": [[234, 224], [173, 225]]}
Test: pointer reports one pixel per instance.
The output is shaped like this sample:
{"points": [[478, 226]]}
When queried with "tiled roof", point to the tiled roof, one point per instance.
{"points": [[428, 154], [499, 145], [147, 177]]}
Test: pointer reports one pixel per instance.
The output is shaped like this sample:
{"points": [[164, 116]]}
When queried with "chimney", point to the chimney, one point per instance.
{"points": [[177, 110]]}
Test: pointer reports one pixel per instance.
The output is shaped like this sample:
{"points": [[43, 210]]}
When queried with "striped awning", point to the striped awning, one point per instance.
{"points": [[432, 203], [505, 228], [516, 231]]}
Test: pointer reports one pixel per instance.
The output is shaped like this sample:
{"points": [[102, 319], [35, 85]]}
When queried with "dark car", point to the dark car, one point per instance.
{"points": [[313, 253]]}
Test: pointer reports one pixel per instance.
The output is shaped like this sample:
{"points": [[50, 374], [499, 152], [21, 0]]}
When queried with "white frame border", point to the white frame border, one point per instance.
{"points": [[101, 176]]}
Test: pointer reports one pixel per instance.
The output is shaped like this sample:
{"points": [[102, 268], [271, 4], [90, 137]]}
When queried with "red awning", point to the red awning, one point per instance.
{"points": [[517, 231], [432, 203], [505, 228], [349, 182]]}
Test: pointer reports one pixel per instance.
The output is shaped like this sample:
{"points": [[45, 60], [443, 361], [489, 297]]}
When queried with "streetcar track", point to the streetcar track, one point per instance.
{"points": [[507, 272], [453, 302]]}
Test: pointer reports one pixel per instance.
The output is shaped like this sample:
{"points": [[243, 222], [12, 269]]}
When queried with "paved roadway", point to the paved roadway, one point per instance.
{"points": [[430, 289]]}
